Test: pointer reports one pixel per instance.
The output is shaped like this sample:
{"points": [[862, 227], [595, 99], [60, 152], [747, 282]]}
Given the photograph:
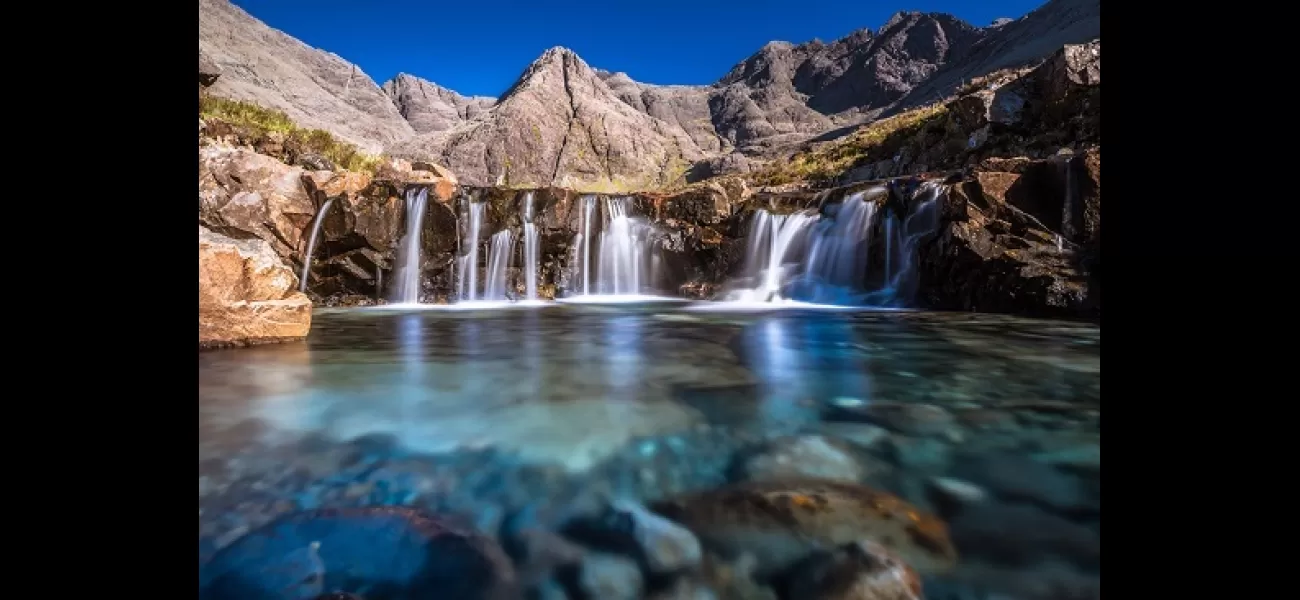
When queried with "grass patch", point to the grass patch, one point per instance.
{"points": [[876, 141], [256, 123]]}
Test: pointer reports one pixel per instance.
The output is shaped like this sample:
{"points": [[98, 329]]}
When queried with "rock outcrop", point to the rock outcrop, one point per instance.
{"points": [[246, 294], [313, 87]]}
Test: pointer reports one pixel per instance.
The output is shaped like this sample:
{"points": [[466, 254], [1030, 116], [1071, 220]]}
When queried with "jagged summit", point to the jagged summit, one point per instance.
{"points": [[429, 107]]}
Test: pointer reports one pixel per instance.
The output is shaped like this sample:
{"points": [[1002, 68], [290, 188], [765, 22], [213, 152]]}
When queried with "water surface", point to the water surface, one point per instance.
{"points": [[477, 412]]}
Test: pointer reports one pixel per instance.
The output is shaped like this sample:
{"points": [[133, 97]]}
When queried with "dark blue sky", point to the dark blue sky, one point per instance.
{"points": [[479, 47]]}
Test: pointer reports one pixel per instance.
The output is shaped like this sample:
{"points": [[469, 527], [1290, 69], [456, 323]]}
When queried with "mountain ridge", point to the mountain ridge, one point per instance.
{"points": [[585, 127]]}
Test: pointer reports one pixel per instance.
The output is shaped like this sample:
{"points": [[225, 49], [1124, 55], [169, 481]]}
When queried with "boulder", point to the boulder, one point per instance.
{"points": [[209, 71], [246, 294], [243, 193], [442, 183], [380, 552]]}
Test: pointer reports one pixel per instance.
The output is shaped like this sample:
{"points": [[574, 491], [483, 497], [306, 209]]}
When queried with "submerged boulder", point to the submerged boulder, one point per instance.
{"points": [[381, 553], [246, 294]]}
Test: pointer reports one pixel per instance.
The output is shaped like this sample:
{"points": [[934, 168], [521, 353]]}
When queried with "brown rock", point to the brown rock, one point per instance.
{"points": [[863, 570], [246, 294], [439, 179], [781, 523], [245, 193]]}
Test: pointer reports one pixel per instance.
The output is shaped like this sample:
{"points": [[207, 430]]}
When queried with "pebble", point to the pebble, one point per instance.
{"points": [[667, 546], [610, 577]]}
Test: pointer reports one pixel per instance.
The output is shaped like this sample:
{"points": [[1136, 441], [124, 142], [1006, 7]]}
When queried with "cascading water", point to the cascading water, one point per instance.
{"points": [[311, 244], [467, 262], [503, 244], [624, 265], [770, 240], [583, 242], [622, 250], [531, 248], [407, 284], [834, 266]]}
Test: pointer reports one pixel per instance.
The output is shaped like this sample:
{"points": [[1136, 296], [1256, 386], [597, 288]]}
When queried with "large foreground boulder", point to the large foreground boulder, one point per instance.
{"points": [[246, 294], [387, 553]]}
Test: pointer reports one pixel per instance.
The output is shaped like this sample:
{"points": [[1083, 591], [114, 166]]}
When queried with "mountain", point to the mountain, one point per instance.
{"points": [[566, 123], [315, 88], [560, 124], [429, 107]]}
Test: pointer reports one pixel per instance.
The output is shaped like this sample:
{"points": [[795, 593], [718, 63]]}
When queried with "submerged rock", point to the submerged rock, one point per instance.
{"points": [[380, 552], [781, 523], [246, 294], [858, 571], [809, 456]]}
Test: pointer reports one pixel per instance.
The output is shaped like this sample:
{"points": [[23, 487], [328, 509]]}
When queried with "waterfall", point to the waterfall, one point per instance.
{"points": [[623, 260], [531, 248], [311, 244], [584, 241], [830, 252], [467, 262], [503, 243], [407, 285], [770, 239], [837, 260]]}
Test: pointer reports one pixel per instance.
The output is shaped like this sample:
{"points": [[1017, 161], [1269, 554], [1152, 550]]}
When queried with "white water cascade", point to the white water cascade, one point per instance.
{"points": [[467, 262], [531, 248], [582, 243], [407, 283], [623, 257], [826, 259], [311, 244], [770, 239], [502, 246]]}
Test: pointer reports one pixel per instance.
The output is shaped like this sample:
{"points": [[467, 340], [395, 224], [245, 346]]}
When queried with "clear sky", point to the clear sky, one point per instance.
{"points": [[479, 47]]}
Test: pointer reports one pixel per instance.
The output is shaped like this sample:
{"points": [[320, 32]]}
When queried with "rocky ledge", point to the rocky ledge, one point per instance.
{"points": [[246, 294]]}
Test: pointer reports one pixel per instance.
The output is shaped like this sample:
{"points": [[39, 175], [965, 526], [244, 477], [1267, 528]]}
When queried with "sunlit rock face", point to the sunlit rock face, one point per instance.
{"points": [[246, 294]]}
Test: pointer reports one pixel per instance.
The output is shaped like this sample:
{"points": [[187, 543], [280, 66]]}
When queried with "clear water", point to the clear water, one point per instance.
{"points": [[474, 413]]}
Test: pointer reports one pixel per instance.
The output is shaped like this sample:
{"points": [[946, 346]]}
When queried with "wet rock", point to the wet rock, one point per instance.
{"points": [[780, 523], [949, 495], [907, 418], [351, 550], [685, 588], [246, 294], [808, 456], [1019, 478], [1019, 534], [629, 529], [859, 571], [919, 454], [862, 435], [610, 577]]}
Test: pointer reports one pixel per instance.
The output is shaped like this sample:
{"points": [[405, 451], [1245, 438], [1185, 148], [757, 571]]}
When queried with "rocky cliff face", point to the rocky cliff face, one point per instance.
{"points": [[564, 123], [315, 88], [429, 107]]}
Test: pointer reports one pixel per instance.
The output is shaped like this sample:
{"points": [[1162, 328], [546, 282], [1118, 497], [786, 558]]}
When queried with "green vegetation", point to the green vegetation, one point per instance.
{"points": [[876, 141], [257, 123]]}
